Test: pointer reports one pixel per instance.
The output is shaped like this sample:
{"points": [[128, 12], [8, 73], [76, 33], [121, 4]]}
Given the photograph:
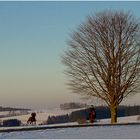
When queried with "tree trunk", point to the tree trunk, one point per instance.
{"points": [[113, 110]]}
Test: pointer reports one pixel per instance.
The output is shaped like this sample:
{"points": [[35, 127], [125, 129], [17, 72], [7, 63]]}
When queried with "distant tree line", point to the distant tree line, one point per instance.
{"points": [[102, 112], [11, 109], [15, 113], [72, 105], [58, 119]]}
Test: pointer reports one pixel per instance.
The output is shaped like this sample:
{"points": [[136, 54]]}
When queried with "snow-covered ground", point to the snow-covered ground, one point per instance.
{"points": [[94, 132], [97, 132], [41, 115], [100, 132]]}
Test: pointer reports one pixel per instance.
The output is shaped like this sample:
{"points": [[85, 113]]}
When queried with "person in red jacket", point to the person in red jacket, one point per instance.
{"points": [[92, 114]]}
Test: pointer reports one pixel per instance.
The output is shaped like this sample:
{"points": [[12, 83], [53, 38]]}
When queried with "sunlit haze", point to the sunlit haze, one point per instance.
{"points": [[33, 36]]}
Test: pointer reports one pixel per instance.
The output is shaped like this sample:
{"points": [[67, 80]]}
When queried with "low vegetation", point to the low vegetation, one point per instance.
{"points": [[11, 122]]}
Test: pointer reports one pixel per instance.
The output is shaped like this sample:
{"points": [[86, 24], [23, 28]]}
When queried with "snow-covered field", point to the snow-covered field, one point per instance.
{"points": [[94, 132], [97, 132], [41, 115]]}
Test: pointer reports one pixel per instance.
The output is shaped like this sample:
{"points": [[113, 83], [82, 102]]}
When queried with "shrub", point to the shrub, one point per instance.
{"points": [[11, 122], [0, 122], [138, 118], [81, 121], [58, 119], [79, 114]]}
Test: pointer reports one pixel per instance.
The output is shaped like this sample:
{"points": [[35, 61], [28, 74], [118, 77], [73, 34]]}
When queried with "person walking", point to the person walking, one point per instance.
{"points": [[92, 114]]}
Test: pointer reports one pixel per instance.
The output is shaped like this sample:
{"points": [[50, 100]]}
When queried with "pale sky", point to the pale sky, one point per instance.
{"points": [[33, 37]]}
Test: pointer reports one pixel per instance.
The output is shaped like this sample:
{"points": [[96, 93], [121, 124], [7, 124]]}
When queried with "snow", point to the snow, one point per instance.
{"points": [[41, 115], [4, 112], [107, 132], [94, 132], [127, 119]]}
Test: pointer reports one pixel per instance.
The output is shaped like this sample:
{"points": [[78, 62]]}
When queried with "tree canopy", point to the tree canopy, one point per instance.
{"points": [[103, 58]]}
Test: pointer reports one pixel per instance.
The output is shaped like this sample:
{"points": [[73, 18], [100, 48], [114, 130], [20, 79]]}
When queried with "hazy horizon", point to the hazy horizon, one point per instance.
{"points": [[33, 37]]}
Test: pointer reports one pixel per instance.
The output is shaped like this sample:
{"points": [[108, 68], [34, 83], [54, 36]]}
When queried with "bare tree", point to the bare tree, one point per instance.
{"points": [[103, 58]]}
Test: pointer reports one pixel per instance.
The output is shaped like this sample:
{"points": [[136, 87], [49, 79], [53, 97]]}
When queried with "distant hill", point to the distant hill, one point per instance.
{"points": [[12, 109], [72, 105]]}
